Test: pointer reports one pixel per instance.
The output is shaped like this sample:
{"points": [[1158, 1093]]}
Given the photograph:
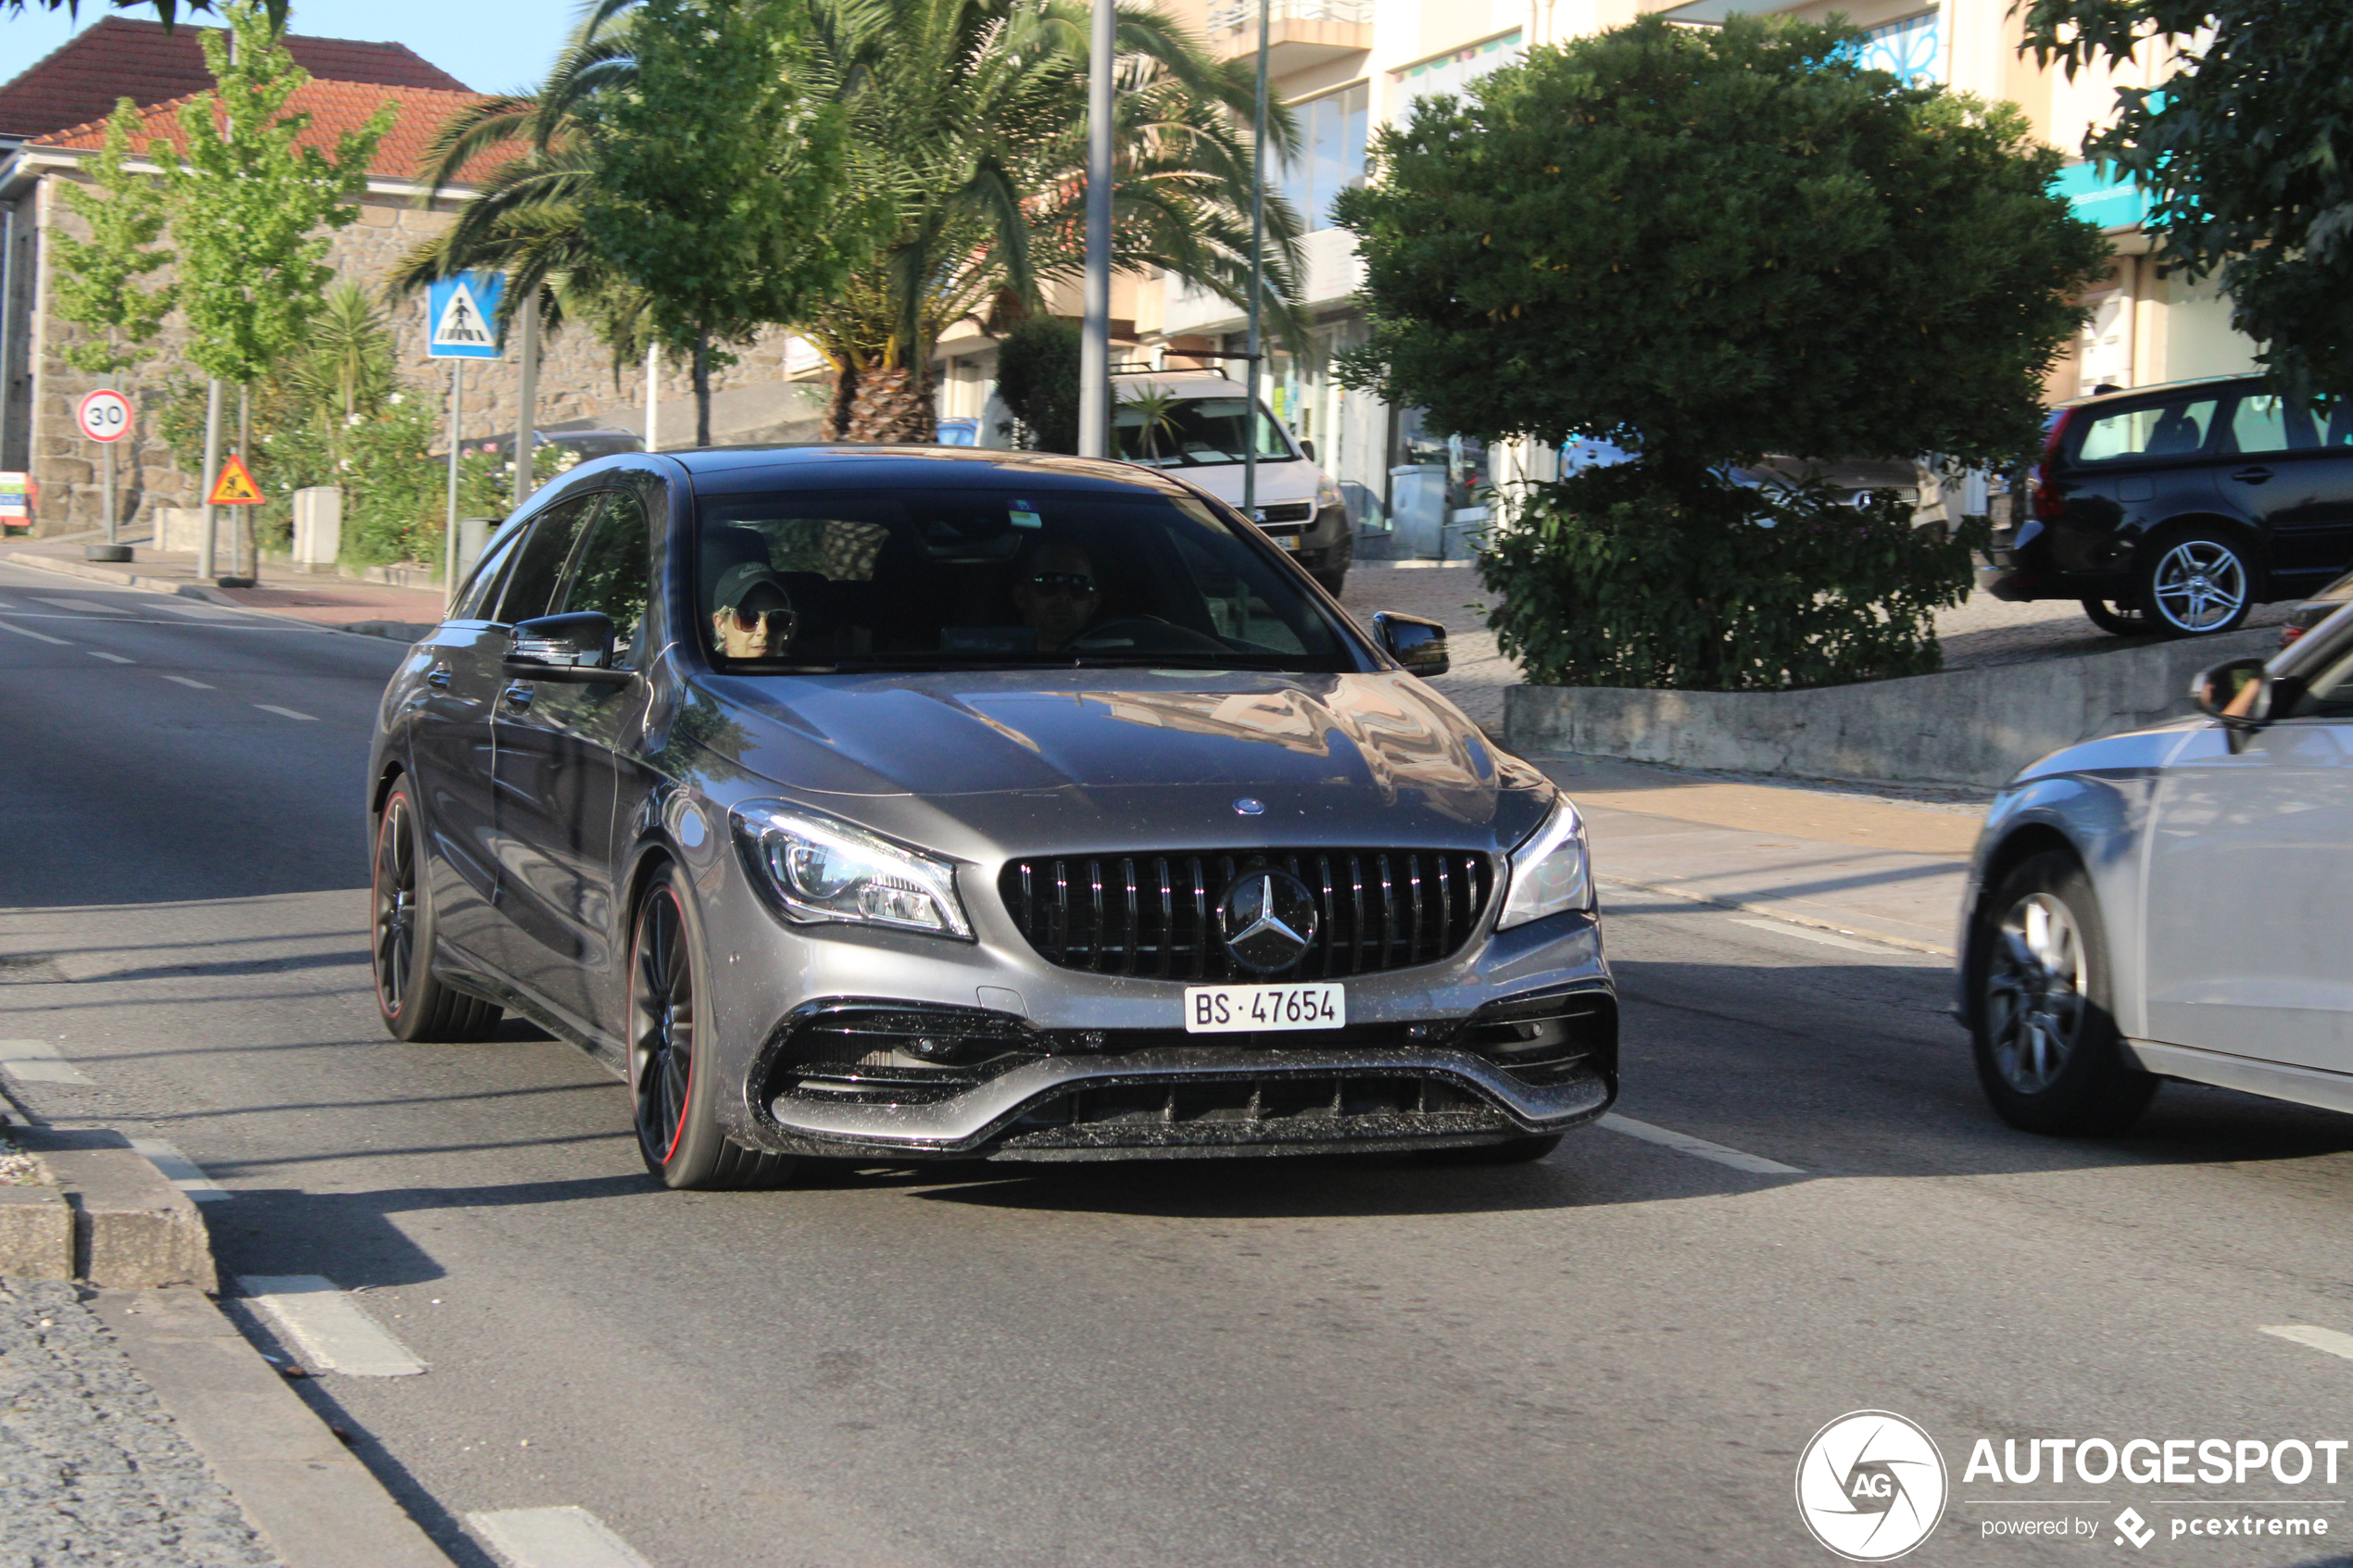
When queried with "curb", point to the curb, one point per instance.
{"points": [[1760, 907], [307, 1495], [396, 631], [111, 1220]]}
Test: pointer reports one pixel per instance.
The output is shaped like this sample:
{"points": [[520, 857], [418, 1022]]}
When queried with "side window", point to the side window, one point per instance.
{"points": [[2262, 423], [482, 588], [2332, 422], [540, 565], [614, 573], [2164, 430]]}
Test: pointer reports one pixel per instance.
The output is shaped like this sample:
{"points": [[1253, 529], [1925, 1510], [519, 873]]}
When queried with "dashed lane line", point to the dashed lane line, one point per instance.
{"points": [[1815, 934], [273, 708], [88, 605], [327, 1327], [37, 1061], [37, 636], [553, 1538], [184, 681], [180, 1171], [1684, 1143], [2326, 1339], [109, 657]]}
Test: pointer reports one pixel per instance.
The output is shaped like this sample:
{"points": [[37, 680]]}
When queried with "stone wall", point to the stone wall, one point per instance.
{"points": [[576, 374]]}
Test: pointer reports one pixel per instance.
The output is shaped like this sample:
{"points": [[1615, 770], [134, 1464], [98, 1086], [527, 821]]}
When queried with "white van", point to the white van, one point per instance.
{"points": [[1197, 434]]}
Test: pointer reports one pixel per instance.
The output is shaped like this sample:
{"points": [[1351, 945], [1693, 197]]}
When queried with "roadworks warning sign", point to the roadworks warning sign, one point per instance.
{"points": [[236, 487]]}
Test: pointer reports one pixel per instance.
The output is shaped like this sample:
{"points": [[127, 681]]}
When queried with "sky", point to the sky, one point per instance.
{"points": [[490, 45]]}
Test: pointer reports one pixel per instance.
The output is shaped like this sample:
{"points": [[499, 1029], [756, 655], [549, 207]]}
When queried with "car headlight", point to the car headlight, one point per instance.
{"points": [[1327, 500], [1548, 873], [813, 868]]}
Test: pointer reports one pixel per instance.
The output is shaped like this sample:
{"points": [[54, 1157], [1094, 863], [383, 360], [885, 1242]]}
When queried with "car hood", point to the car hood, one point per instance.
{"points": [[2135, 751], [1284, 480], [1031, 756]]}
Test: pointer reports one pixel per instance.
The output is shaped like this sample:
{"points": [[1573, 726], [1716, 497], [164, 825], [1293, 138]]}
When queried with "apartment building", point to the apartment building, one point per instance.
{"points": [[1348, 67]]}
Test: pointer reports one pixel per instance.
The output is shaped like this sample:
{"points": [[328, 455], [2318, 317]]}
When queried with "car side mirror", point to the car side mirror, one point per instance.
{"points": [[1307, 447], [2239, 692], [578, 647], [1418, 644]]}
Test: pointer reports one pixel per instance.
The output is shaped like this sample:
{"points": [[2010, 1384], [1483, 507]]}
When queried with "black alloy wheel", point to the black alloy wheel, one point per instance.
{"points": [[2047, 1048], [672, 1084], [414, 1003], [2117, 616]]}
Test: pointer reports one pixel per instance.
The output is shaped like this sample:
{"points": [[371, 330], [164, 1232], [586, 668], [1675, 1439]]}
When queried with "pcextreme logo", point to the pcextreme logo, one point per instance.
{"points": [[1872, 1486]]}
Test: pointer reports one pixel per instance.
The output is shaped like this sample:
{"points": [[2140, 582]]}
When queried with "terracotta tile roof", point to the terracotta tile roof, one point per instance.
{"points": [[335, 107], [121, 59]]}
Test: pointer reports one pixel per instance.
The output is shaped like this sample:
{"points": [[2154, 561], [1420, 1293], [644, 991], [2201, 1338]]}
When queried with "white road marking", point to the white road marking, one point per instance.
{"points": [[184, 680], [554, 1538], [327, 1327], [37, 636], [1684, 1143], [201, 611], [37, 1061], [88, 605], [273, 708], [2327, 1340], [1814, 934], [109, 657], [180, 1171]]}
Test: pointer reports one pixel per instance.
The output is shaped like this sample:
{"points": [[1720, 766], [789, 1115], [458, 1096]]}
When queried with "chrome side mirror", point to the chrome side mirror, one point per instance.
{"points": [[2239, 692], [1418, 644], [578, 647]]}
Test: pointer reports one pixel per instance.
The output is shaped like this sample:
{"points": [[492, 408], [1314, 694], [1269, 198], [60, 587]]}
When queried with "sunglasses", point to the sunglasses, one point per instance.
{"points": [[1074, 584]]}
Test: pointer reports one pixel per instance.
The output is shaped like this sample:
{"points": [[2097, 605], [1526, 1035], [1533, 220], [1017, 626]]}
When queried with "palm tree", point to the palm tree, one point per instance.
{"points": [[969, 117]]}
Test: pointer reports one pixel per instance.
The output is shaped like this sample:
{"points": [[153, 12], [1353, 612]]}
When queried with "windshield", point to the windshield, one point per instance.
{"points": [[1180, 433], [825, 579]]}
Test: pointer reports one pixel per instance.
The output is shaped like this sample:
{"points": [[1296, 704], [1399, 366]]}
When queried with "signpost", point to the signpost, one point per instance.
{"points": [[105, 417], [463, 312]]}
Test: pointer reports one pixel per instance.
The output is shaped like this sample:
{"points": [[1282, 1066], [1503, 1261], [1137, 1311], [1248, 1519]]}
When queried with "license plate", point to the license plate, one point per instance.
{"points": [[1289, 542], [1243, 1009]]}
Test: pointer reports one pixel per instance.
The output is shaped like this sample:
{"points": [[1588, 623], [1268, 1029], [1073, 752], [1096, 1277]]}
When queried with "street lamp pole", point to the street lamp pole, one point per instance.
{"points": [[1094, 358], [1257, 277]]}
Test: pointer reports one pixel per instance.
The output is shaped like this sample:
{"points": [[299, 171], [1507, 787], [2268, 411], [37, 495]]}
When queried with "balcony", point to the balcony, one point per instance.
{"points": [[1300, 34]]}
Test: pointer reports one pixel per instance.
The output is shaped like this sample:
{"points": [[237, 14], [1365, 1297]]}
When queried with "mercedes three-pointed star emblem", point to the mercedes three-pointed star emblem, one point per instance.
{"points": [[1268, 918]]}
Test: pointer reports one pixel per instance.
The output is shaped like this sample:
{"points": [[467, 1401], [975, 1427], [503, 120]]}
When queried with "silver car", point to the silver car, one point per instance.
{"points": [[878, 803], [2173, 903]]}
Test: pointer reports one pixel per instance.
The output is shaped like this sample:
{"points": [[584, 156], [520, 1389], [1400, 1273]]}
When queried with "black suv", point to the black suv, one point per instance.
{"points": [[2173, 509]]}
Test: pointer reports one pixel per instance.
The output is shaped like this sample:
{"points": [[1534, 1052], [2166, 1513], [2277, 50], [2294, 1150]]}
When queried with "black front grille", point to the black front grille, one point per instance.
{"points": [[1286, 517], [1155, 916]]}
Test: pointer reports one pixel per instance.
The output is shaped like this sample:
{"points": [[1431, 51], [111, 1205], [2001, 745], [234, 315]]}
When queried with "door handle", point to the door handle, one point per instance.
{"points": [[439, 678], [517, 697], [2252, 476]]}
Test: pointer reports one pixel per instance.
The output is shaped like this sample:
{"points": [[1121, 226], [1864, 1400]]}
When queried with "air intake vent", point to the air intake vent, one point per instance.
{"points": [[1156, 915], [1286, 517]]}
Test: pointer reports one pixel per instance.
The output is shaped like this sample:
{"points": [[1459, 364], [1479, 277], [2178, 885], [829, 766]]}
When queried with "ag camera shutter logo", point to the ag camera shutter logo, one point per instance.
{"points": [[1872, 1486]]}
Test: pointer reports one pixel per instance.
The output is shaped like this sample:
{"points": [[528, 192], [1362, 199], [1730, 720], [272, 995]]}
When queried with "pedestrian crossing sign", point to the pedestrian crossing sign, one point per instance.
{"points": [[463, 315], [236, 487]]}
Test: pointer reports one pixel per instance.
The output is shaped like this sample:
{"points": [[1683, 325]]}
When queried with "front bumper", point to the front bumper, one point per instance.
{"points": [[831, 1082]]}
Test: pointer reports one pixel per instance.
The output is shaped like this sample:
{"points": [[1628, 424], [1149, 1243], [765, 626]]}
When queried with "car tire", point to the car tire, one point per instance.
{"points": [[2197, 583], [1524, 1150], [2045, 1033], [1332, 581], [674, 1095], [2118, 617], [415, 1003]]}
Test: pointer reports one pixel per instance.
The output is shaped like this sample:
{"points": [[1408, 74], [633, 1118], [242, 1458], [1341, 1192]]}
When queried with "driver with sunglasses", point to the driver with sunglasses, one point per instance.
{"points": [[1057, 594]]}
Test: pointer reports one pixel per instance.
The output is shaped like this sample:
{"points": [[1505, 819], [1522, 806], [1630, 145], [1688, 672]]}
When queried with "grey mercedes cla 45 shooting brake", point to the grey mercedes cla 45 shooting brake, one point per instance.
{"points": [[885, 803]]}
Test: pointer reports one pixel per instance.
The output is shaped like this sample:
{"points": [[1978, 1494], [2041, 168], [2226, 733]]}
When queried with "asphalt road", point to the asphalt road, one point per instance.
{"points": [[1612, 1357]]}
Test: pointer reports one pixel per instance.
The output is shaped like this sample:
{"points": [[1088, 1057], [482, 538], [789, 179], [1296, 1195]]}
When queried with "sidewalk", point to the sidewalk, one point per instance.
{"points": [[1873, 866], [373, 608]]}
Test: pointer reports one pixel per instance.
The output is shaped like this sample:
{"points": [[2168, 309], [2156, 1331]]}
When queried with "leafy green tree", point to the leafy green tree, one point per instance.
{"points": [[252, 211], [723, 184], [1707, 247], [1038, 378], [97, 280], [2246, 149]]}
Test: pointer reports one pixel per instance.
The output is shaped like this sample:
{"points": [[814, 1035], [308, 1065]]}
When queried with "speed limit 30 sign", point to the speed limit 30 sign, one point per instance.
{"points": [[104, 415]]}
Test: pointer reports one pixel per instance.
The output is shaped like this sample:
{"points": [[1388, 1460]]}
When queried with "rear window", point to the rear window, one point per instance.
{"points": [[2177, 429], [974, 578]]}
